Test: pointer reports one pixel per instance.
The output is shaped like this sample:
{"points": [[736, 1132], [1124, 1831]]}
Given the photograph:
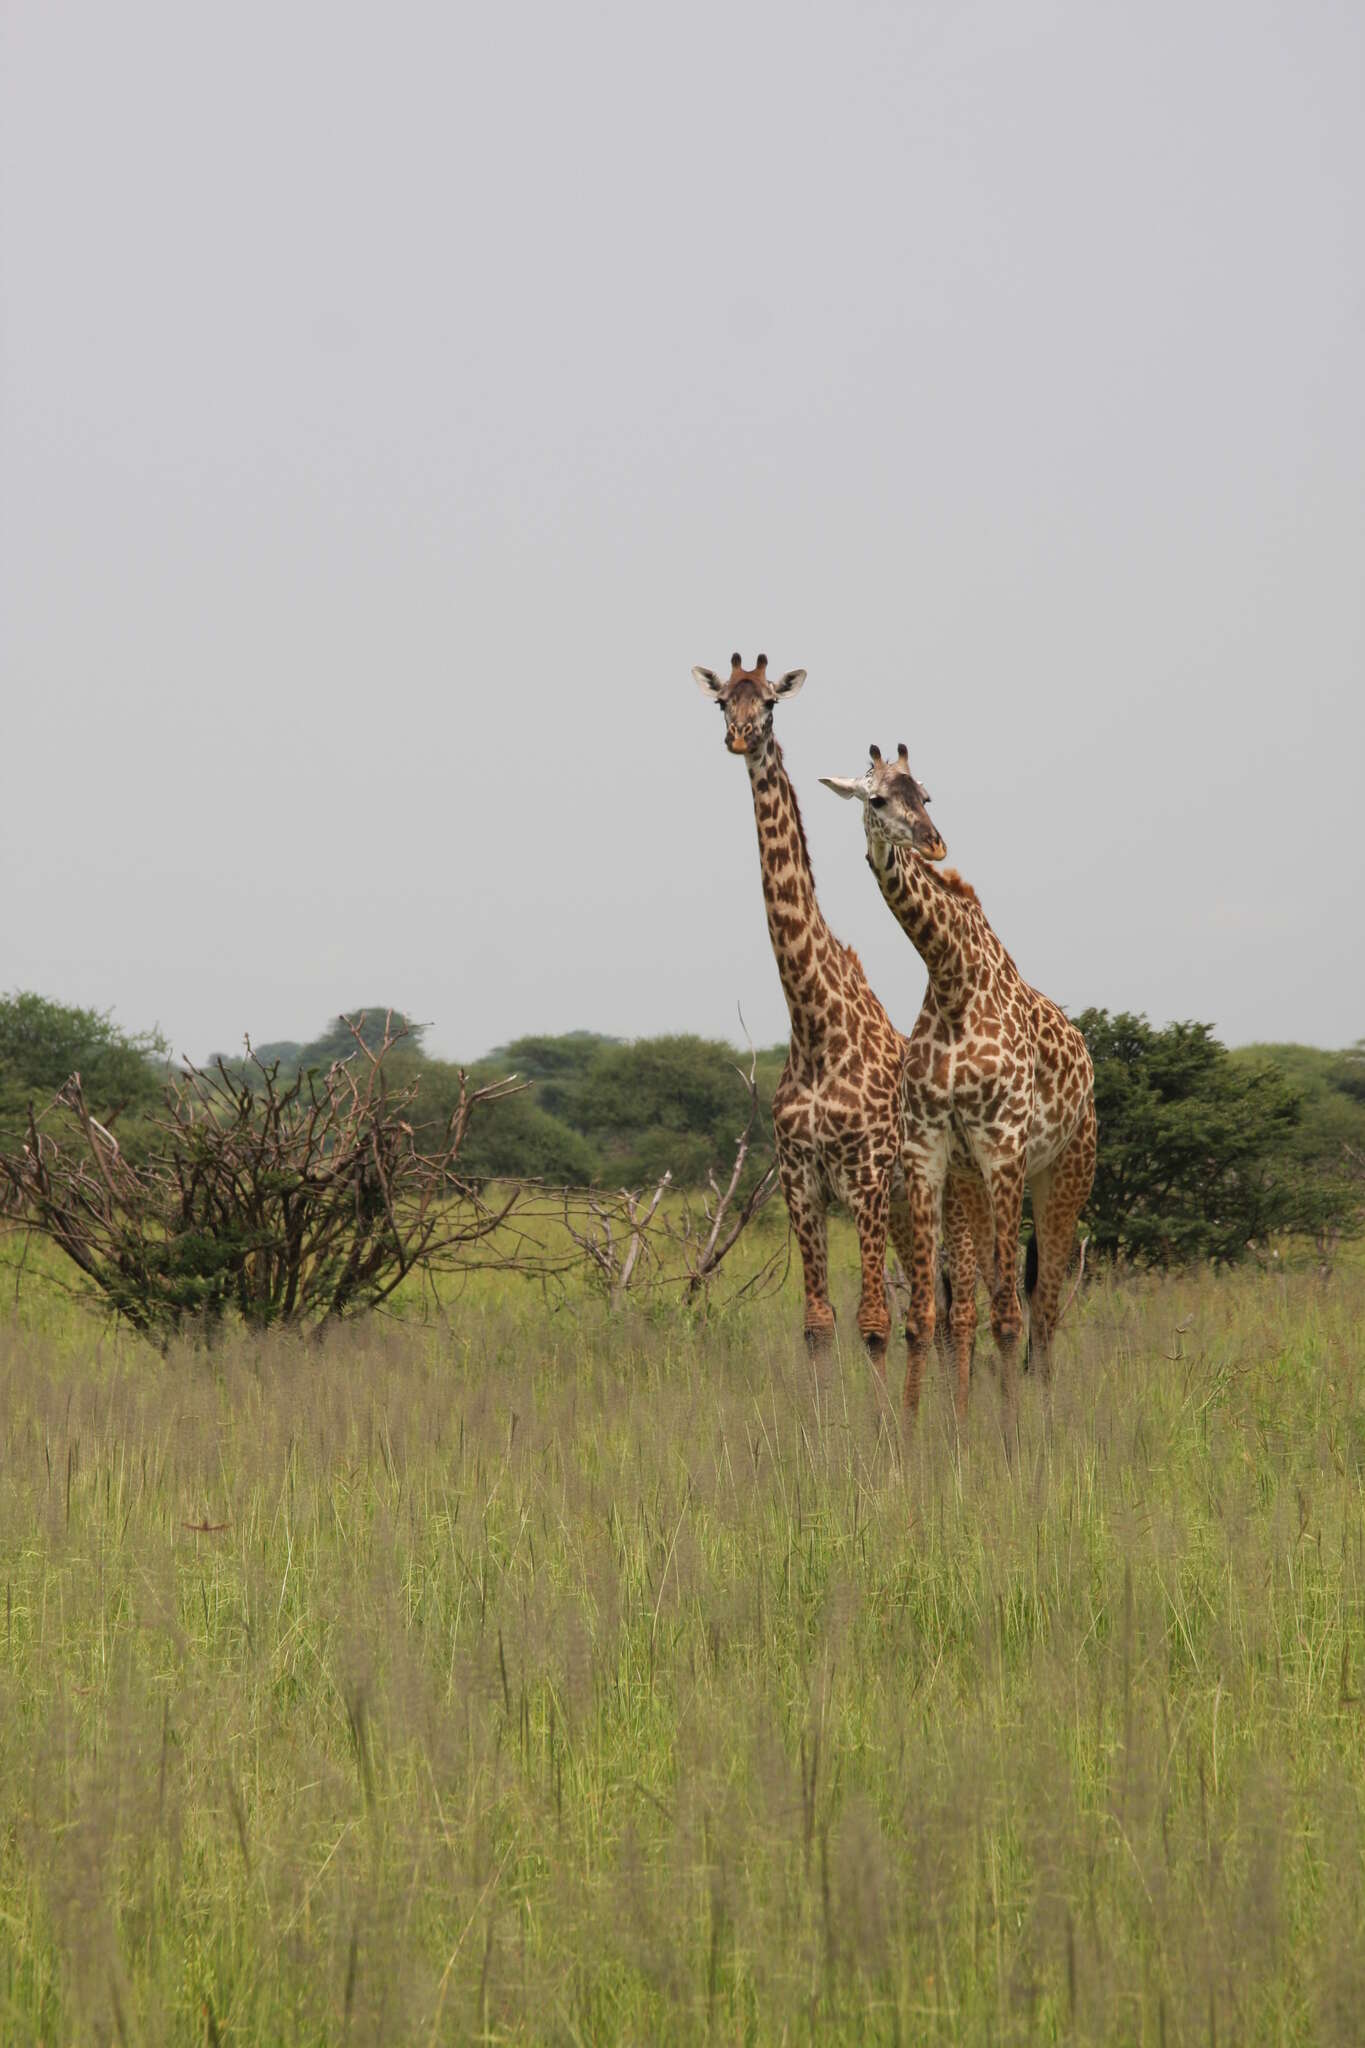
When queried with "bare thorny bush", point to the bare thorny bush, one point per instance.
{"points": [[299, 1201], [291, 1201]]}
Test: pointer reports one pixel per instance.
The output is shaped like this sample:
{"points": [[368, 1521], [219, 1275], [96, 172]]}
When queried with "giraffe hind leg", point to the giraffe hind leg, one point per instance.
{"points": [[1058, 1199], [954, 1274], [924, 1194]]}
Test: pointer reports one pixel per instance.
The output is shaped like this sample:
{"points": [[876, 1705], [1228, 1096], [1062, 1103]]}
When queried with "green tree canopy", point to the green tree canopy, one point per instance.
{"points": [[675, 1103], [516, 1139], [42, 1043], [559, 1067], [1195, 1145], [1331, 1089], [1325, 1163]]}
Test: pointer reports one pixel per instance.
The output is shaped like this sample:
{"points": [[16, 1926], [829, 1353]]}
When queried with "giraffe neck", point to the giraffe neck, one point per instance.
{"points": [[949, 931], [807, 953]]}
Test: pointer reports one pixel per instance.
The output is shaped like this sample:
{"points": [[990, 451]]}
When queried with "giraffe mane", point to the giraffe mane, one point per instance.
{"points": [[956, 885], [950, 879]]}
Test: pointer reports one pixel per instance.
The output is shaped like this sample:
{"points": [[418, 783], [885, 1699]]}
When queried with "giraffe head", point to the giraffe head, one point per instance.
{"points": [[747, 699], [894, 804]]}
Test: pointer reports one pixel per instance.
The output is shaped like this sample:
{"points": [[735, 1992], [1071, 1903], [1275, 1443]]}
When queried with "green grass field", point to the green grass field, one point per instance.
{"points": [[513, 1676]]}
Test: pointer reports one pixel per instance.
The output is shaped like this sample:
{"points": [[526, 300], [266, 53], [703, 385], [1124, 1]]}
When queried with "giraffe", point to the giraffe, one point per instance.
{"points": [[998, 1090], [836, 1109]]}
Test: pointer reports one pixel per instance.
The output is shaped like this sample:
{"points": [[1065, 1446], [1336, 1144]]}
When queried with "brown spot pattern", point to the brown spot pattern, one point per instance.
{"points": [[837, 1110], [997, 1094]]}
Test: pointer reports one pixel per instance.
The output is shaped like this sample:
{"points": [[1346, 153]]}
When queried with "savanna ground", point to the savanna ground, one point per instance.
{"points": [[509, 1676]]}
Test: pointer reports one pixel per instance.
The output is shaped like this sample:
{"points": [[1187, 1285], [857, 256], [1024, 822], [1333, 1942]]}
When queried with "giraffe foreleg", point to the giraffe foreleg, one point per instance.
{"points": [[924, 1199], [869, 1201], [806, 1206], [964, 1219]]}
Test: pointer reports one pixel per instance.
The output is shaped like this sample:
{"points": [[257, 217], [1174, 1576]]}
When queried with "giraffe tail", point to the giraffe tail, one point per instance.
{"points": [[942, 1304], [1030, 1279]]}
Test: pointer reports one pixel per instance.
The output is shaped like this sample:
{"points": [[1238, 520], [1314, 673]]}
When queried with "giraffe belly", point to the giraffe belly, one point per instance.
{"points": [[961, 1158], [1050, 1135]]}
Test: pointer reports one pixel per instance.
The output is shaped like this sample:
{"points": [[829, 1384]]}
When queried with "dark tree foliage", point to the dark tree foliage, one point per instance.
{"points": [[1331, 1086], [621, 1113], [1325, 1167], [672, 1103], [557, 1068], [517, 1139], [42, 1043], [1349, 1071], [1195, 1151]]}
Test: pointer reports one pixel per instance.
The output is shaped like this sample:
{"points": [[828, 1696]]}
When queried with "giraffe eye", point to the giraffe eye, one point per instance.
{"points": [[878, 803]]}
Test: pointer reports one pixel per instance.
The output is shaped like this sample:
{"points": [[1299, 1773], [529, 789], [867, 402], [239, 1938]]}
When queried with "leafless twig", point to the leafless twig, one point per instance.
{"points": [[293, 1201]]}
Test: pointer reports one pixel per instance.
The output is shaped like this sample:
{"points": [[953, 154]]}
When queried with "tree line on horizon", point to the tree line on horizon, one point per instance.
{"points": [[1205, 1152]]}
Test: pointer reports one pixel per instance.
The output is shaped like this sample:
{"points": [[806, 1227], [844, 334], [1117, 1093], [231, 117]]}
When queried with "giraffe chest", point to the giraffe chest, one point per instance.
{"points": [[1016, 1075], [840, 1110], [973, 1074]]}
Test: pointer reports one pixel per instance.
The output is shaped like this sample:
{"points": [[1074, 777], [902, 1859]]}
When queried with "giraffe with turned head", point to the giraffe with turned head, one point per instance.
{"points": [[836, 1109], [998, 1091]]}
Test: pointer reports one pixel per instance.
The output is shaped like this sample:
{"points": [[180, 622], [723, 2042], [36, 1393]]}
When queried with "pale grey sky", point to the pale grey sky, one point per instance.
{"points": [[398, 401]]}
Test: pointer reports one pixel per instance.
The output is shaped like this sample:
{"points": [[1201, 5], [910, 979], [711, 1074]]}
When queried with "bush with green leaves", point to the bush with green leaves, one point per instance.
{"points": [[1198, 1148], [43, 1042]]}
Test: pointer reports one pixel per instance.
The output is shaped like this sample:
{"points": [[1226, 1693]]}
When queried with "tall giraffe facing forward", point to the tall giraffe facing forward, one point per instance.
{"points": [[836, 1110], [998, 1082]]}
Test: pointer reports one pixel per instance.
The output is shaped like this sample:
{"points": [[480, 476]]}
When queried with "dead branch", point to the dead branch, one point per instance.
{"points": [[726, 1217], [292, 1201], [635, 1243]]}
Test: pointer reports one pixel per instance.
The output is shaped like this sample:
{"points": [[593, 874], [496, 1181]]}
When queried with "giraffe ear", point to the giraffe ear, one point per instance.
{"points": [[708, 682], [844, 786], [790, 683]]}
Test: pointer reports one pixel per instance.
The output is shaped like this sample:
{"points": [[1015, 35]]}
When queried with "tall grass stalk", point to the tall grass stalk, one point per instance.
{"points": [[508, 1677]]}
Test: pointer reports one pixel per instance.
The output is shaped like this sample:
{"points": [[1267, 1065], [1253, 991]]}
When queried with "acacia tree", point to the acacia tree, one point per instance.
{"points": [[292, 1201], [42, 1042], [1196, 1148]]}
